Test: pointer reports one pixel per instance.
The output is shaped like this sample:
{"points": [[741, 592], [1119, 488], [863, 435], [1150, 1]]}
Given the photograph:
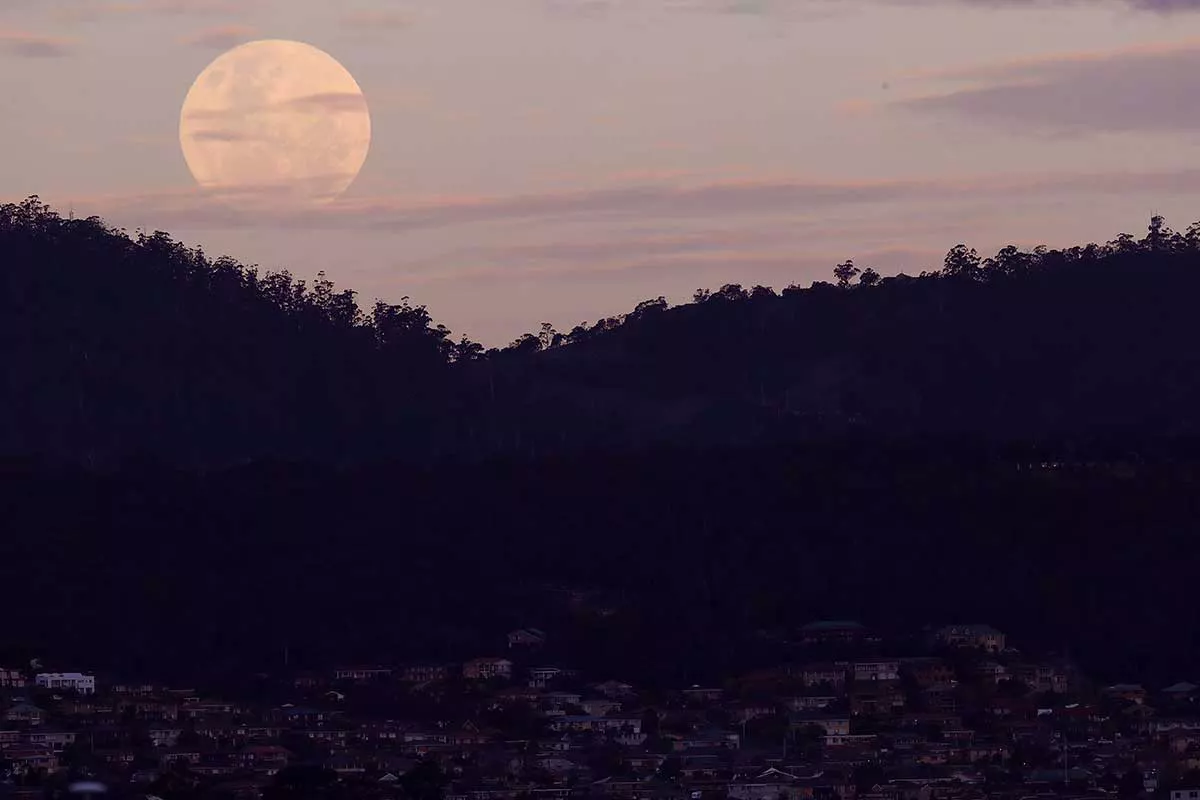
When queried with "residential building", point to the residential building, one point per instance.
{"points": [[72, 681], [833, 632], [526, 637], [886, 669], [487, 668], [984, 637], [362, 674]]}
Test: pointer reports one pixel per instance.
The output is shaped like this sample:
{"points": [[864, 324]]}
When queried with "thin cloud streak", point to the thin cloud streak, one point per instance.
{"points": [[91, 11], [782, 266], [1149, 88], [324, 103], [194, 210], [23, 44], [220, 38], [594, 8], [374, 20]]}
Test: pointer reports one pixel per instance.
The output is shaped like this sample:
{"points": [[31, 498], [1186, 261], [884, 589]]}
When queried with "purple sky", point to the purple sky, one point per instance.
{"points": [[561, 160]]}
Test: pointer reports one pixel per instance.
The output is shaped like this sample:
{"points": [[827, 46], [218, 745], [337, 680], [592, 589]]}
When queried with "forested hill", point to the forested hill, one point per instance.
{"points": [[117, 347]]}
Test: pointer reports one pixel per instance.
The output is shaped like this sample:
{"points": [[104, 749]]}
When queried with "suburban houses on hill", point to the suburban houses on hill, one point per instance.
{"points": [[970, 717]]}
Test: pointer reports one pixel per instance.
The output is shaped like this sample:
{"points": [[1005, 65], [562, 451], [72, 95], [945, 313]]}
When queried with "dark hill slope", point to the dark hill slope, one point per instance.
{"points": [[1071, 347], [699, 550], [117, 347]]}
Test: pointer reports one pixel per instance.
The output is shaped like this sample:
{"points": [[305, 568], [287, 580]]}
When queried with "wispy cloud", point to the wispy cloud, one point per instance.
{"points": [[1150, 87], [329, 103], [828, 7], [221, 37], [29, 45], [724, 200], [93, 10], [375, 19], [221, 136], [325, 103], [772, 266]]}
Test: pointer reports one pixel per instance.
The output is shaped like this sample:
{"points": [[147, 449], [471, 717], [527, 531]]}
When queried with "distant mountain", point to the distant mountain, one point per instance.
{"points": [[119, 347]]}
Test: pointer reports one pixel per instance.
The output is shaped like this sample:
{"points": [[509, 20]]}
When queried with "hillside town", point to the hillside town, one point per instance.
{"points": [[971, 717]]}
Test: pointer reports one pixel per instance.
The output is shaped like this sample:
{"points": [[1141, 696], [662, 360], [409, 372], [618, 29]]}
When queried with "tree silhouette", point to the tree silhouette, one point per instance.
{"points": [[845, 272], [425, 781], [962, 262], [126, 348]]}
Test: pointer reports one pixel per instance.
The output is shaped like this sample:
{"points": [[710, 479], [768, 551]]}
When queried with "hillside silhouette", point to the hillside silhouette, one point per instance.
{"points": [[120, 347], [1004, 439]]}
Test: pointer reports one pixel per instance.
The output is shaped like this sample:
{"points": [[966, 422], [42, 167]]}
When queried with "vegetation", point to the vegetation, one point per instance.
{"points": [[654, 455], [120, 347]]}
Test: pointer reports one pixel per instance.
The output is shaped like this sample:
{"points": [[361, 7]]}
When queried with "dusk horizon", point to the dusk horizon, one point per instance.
{"points": [[561, 161]]}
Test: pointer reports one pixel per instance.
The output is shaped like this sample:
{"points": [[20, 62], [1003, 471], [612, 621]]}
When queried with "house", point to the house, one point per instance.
{"points": [[308, 680], [700, 695], [614, 689], [822, 675], [1180, 724], [240, 789], [25, 757], [557, 764], [776, 784], [984, 637], [72, 681], [487, 668], [55, 740], [541, 676], [526, 637], [599, 706], [586, 722], [943, 698], [833, 632], [177, 755], [423, 673], [810, 701], [1186, 792], [744, 712], [150, 709], [362, 674], [24, 712], [165, 737], [925, 718], [563, 700], [710, 739], [1045, 677], [873, 670], [348, 763], [927, 672], [1181, 691], [1131, 692], [833, 726], [876, 698], [11, 678], [991, 672]]}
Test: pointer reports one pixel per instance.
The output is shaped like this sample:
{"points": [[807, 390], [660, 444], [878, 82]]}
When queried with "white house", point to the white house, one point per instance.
{"points": [[75, 681]]}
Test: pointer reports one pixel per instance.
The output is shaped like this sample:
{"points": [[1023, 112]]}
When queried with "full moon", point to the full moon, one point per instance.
{"points": [[275, 125]]}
